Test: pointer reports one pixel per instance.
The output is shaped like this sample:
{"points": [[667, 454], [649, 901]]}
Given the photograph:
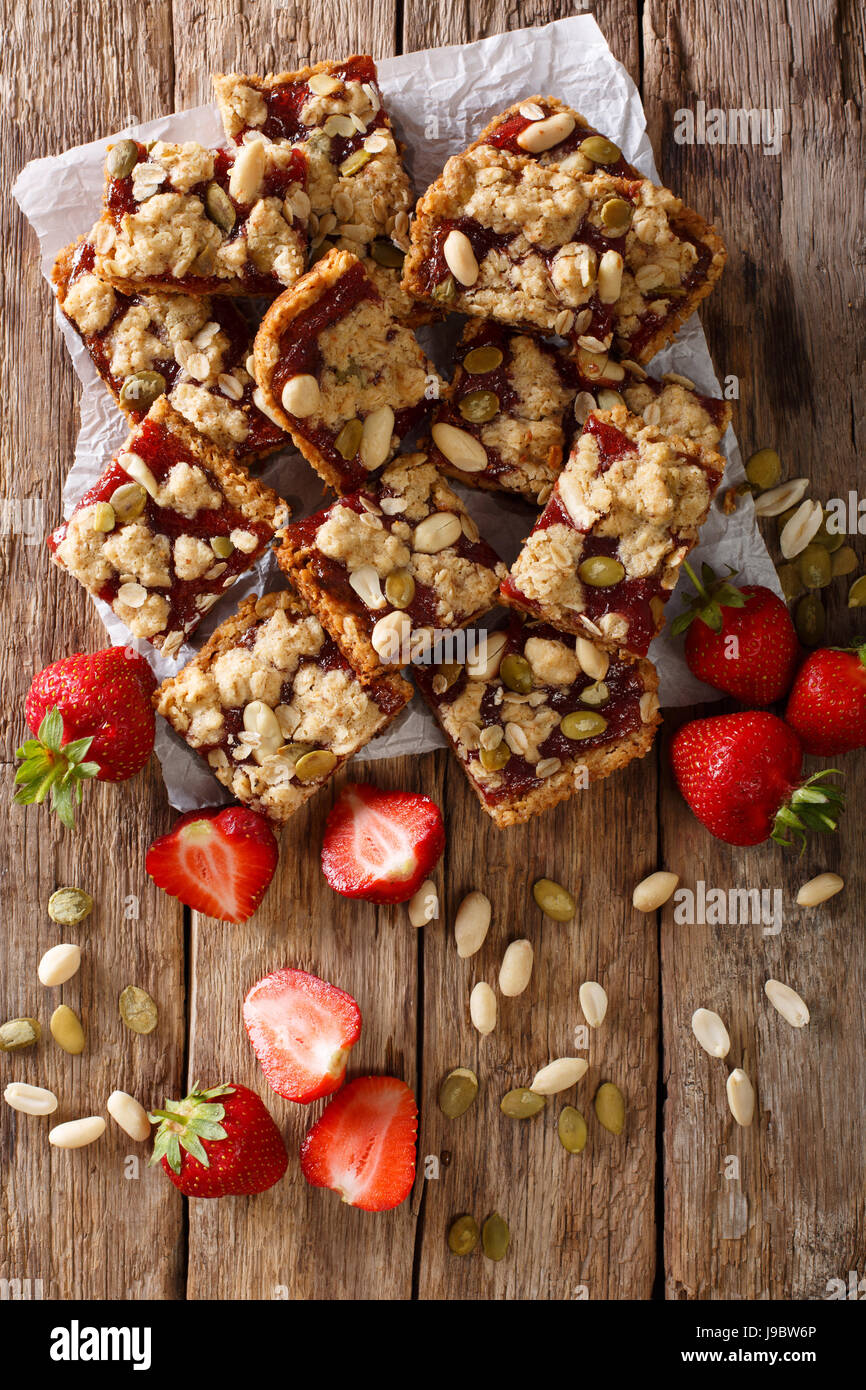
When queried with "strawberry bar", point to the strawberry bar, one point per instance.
{"points": [[507, 420], [337, 371], [334, 116], [273, 707], [593, 257], [535, 716], [548, 131], [390, 566], [170, 525], [605, 554], [193, 348], [183, 218]]}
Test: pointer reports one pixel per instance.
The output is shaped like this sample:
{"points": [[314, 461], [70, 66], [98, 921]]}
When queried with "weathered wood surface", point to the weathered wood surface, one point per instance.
{"points": [[581, 1226]]}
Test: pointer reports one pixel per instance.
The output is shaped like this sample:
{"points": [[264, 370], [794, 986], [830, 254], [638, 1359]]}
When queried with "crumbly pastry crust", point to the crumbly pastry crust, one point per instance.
{"points": [[171, 334], [530, 264], [342, 559], [156, 231], [159, 576], [362, 357], [487, 713], [633, 495], [274, 653]]}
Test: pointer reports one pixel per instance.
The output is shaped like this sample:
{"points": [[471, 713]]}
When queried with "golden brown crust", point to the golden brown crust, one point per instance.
{"points": [[692, 223]]}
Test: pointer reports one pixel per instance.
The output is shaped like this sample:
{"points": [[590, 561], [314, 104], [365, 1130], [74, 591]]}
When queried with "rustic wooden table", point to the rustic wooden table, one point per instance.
{"points": [[685, 1204]]}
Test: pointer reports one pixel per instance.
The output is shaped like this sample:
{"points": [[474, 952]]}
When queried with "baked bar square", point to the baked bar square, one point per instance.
{"points": [[515, 402], [605, 554], [193, 348], [335, 116], [598, 259], [183, 218], [548, 131], [340, 373], [391, 568], [273, 707], [535, 716], [171, 524]]}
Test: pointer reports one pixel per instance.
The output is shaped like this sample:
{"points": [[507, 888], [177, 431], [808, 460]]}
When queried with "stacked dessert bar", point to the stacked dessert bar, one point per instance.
{"points": [[573, 271]]}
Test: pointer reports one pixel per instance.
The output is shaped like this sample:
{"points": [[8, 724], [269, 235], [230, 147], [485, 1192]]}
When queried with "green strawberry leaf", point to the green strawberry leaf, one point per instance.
{"points": [[49, 765]]}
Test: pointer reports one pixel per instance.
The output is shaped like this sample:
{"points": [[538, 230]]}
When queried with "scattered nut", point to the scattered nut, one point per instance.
{"points": [[460, 258], [788, 1003], [472, 924], [424, 904], [559, 1075], [129, 1114], [593, 1001], [516, 968], [655, 890], [30, 1100], [711, 1032], [779, 499], [59, 964], [482, 1008], [741, 1097], [819, 889], [76, 1133]]}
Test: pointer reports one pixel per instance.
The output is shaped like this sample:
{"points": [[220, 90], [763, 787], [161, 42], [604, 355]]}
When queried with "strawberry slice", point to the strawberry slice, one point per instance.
{"points": [[302, 1030], [380, 846], [364, 1145], [218, 861]]}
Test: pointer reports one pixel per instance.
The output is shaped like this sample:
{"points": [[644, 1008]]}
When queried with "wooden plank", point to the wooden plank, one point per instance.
{"points": [[75, 1221], [778, 1210]]}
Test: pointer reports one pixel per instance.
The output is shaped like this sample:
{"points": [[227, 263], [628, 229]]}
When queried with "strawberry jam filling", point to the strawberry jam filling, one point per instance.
{"points": [[287, 102], [160, 449], [504, 137]]}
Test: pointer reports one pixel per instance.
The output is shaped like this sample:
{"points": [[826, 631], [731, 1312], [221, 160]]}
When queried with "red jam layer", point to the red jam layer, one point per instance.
{"points": [[505, 138], [286, 102]]}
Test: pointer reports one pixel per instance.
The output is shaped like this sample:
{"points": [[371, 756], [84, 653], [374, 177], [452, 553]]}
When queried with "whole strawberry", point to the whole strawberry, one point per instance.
{"points": [[742, 776], [219, 1143], [827, 705], [92, 717], [739, 640]]}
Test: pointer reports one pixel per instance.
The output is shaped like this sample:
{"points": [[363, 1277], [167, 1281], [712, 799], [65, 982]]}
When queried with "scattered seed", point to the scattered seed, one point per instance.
{"points": [[482, 1008], [593, 1001], [522, 1103], [482, 360], [132, 1117], [348, 441], [69, 906], [138, 1010], [572, 1130], [844, 561], [788, 1003], [458, 1092], [495, 1237], [59, 964], [610, 1107], [741, 1097], [819, 889], [831, 540], [554, 900], [472, 924], [516, 968], [559, 1075], [815, 566], [654, 891], [780, 498], [30, 1100], [76, 1133], [66, 1030], [219, 207], [424, 904], [857, 592], [810, 620], [790, 581], [711, 1032], [764, 468], [18, 1033], [463, 1235]]}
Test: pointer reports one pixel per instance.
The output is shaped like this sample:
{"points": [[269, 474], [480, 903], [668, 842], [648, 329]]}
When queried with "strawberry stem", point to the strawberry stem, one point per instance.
{"points": [[710, 597], [50, 765], [811, 807]]}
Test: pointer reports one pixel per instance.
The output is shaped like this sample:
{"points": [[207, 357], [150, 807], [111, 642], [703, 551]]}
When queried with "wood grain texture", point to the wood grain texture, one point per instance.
{"points": [[788, 321], [74, 1220]]}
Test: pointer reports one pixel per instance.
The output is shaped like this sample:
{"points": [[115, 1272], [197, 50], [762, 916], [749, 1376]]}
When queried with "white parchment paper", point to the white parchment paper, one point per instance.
{"points": [[438, 100]]}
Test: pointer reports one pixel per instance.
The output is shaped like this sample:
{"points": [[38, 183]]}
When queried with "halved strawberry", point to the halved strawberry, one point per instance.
{"points": [[364, 1145], [218, 861], [302, 1030], [380, 846]]}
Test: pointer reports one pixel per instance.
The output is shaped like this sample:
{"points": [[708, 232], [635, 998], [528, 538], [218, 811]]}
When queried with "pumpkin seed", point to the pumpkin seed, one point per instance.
{"points": [[599, 150], [445, 290], [515, 672], [601, 571], [479, 406], [18, 1033], [222, 547], [67, 1031], [138, 1010], [386, 253], [458, 1092], [313, 765], [583, 724], [554, 900], [69, 906], [141, 389], [522, 1104], [830, 540], [610, 1107], [844, 561], [103, 517], [494, 759], [815, 566], [128, 501], [400, 589], [810, 619], [572, 1130], [482, 360], [857, 593], [354, 162], [495, 1237], [764, 468], [596, 694], [789, 579], [121, 159], [616, 214], [348, 441], [463, 1235], [449, 671], [219, 208]]}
